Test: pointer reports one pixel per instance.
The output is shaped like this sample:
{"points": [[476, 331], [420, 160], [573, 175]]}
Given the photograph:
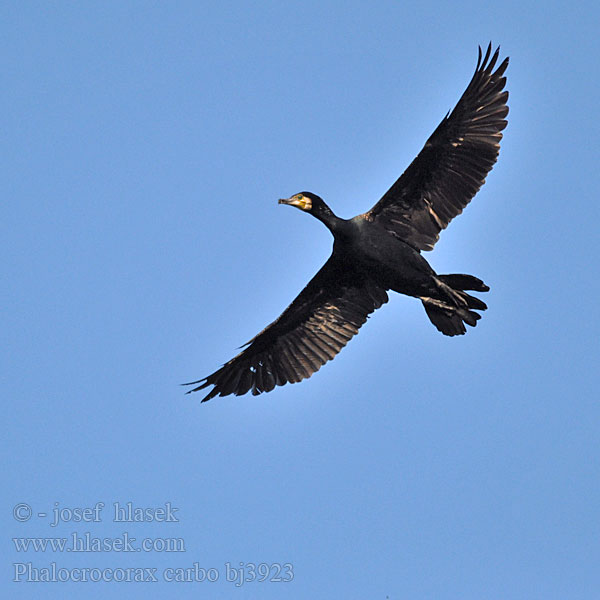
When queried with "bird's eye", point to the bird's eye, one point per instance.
{"points": [[300, 197]]}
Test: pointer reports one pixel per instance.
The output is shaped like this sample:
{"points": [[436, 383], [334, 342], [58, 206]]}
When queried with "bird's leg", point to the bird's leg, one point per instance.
{"points": [[451, 294]]}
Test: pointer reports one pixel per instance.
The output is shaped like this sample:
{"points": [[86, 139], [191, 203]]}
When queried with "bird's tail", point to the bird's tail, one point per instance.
{"points": [[450, 314]]}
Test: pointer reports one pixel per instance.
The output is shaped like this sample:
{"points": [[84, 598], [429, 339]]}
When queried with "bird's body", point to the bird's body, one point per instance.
{"points": [[380, 250], [366, 249], [388, 260]]}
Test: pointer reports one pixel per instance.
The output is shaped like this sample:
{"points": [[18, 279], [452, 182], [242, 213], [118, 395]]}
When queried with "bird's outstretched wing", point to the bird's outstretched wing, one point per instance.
{"points": [[452, 165], [311, 331]]}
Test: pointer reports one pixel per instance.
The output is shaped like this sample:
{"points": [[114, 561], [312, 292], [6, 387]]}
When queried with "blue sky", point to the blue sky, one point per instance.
{"points": [[145, 146]]}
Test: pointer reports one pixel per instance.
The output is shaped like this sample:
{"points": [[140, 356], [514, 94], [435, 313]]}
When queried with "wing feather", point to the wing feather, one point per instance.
{"points": [[311, 331], [453, 164]]}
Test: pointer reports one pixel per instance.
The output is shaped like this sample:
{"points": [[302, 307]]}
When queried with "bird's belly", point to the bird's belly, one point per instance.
{"points": [[397, 266]]}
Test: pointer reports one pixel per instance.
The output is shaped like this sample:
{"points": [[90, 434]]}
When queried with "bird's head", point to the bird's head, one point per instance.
{"points": [[315, 206], [306, 201]]}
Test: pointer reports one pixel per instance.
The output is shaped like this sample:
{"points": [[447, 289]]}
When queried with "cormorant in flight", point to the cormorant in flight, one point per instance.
{"points": [[380, 250]]}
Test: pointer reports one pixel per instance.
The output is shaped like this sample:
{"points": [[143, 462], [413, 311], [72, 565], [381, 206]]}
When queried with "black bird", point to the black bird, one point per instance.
{"points": [[380, 250]]}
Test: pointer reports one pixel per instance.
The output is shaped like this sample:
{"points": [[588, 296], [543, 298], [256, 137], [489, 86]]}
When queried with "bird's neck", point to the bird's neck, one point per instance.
{"points": [[339, 227]]}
